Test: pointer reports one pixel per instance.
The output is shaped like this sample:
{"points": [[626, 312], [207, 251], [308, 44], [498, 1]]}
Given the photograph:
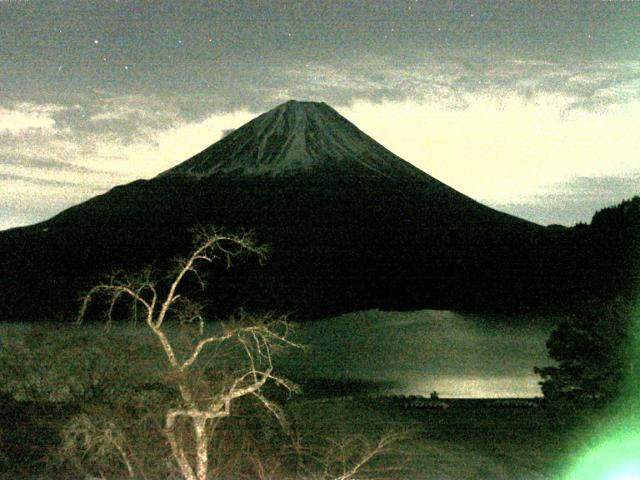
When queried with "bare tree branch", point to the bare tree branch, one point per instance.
{"points": [[376, 450], [257, 337], [201, 344]]}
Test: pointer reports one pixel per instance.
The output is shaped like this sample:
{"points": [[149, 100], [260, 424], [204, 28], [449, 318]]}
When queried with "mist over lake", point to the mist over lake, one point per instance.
{"points": [[414, 353]]}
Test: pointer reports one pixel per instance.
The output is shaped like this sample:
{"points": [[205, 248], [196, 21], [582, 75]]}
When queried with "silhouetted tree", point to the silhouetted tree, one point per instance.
{"points": [[592, 351], [608, 252]]}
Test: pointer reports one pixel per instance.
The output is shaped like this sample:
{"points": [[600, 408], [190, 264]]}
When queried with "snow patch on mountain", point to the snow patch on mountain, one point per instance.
{"points": [[297, 138]]}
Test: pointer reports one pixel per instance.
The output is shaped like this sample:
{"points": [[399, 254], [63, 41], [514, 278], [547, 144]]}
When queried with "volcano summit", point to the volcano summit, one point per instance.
{"points": [[297, 138], [350, 225]]}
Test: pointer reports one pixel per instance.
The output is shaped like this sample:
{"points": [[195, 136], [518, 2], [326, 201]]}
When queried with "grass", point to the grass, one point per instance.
{"points": [[471, 439]]}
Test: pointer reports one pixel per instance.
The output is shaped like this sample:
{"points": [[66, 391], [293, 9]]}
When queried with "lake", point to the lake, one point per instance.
{"points": [[413, 353]]}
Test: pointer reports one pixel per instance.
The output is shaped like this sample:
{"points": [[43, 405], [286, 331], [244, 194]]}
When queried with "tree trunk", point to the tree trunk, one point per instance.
{"points": [[178, 453], [202, 456]]}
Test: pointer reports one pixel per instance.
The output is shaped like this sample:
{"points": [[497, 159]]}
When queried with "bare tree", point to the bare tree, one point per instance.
{"points": [[242, 352], [256, 339], [353, 455], [349, 457]]}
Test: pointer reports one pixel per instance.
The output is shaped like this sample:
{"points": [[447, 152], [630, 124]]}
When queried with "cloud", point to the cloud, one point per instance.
{"points": [[27, 117], [43, 165], [450, 80], [575, 200], [60, 175], [9, 177], [43, 171], [505, 149], [26, 200], [160, 149]]}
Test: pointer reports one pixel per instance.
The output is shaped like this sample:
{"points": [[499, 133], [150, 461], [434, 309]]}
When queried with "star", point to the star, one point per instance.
{"points": [[96, 41]]}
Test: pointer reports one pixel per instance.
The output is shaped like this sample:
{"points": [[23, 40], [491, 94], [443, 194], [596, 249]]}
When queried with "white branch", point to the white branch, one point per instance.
{"points": [[201, 344], [258, 338]]}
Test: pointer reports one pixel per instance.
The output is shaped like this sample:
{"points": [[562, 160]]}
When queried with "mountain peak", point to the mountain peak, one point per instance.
{"points": [[294, 138], [301, 107], [301, 104]]}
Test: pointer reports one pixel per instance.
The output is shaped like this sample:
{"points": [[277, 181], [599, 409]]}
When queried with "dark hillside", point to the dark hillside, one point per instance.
{"points": [[351, 226]]}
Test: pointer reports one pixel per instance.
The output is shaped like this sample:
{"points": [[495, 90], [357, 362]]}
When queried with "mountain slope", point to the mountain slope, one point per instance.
{"points": [[351, 226], [297, 138]]}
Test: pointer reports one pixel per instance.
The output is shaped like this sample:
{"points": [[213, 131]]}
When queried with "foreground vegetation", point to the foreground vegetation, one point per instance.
{"points": [[170, 396], [191, 402], [471, 439], [72, 392]]}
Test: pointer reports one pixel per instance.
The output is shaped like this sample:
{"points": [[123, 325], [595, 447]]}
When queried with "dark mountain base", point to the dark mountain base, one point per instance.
{"points": [[337, 244]]}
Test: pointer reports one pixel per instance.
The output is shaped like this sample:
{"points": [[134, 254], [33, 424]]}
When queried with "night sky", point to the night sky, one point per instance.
{"points": [[529, 107]]}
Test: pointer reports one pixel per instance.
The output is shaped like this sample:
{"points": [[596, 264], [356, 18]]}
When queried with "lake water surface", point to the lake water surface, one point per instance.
{"points": [[458, 355]]}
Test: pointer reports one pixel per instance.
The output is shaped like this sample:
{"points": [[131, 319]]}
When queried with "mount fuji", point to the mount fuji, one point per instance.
{"points": [[297, 138], [350, 226]]}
